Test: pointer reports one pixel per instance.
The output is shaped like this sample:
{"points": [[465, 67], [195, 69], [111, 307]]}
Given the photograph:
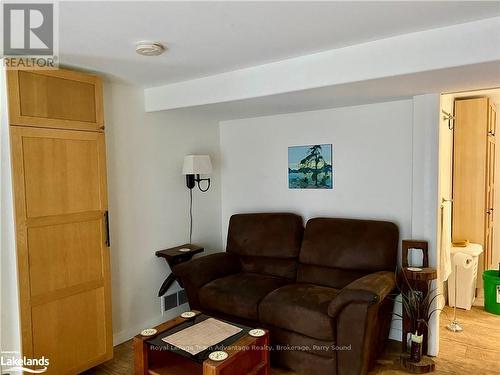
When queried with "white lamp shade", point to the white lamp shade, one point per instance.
{"points": [[197, 164]]}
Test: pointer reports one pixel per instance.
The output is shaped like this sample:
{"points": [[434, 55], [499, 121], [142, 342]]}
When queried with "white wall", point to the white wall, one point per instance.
{"points": [[425, 206], [372, 147], [372, 163], [10, 334], [385, 158], [148, 201], [385, 162]]}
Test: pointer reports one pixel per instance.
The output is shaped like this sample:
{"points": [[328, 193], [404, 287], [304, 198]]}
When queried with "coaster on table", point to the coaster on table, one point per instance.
{"points": [[257, 332], [185, 250], [149, 332], [188, 314], [218, 356], [414, 269]]}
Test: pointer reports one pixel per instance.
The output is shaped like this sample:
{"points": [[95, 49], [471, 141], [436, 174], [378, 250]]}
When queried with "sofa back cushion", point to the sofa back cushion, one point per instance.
{"points": [[267, 243], [336, 252]]}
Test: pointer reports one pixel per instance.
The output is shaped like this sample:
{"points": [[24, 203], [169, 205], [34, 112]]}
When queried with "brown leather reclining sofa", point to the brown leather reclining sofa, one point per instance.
{"points": [[322, 292]]}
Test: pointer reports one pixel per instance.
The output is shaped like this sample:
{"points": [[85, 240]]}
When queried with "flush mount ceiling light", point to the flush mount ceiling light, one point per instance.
{"points": [[147, 48]]}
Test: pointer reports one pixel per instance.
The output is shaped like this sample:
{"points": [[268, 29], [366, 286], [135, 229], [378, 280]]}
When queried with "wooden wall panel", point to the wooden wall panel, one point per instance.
{"points": [[61, 174], [56, 98], [76, 323], [65, 255], [59, 99]]}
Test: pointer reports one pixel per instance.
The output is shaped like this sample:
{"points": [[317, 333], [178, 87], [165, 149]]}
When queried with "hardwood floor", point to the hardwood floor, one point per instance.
{"points": [[475, 351]]}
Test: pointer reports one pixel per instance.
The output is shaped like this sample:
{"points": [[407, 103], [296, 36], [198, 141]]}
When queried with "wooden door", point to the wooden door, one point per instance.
{"points": [[474, 175], [61, 99], [469, 170], [60, 196], [490, 188]]}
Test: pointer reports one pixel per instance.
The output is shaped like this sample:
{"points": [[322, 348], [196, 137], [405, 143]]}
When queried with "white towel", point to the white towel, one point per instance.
{"points": [[445, 259]]}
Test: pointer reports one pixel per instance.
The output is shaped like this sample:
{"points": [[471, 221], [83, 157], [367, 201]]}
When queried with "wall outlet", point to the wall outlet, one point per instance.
{"points": [[170, 302], [182, 297]]}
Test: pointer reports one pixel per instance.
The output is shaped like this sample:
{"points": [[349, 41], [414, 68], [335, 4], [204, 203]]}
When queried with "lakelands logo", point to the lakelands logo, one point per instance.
{"points": [[29, 35], [24, 364]]}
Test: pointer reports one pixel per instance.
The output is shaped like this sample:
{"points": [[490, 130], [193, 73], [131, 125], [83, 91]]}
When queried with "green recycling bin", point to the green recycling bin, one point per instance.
{"points": [[491, 291]]}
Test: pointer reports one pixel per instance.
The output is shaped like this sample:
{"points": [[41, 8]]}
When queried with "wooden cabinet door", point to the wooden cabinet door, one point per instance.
{"points": [[60, 99], [490, 188], [469, 170], [60, 196]]}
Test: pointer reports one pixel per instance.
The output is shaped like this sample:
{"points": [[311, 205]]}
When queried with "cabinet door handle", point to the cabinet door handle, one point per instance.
{"points": [[106, 224]]}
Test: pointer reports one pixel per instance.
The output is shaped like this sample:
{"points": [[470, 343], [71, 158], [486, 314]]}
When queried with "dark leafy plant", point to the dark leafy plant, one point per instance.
{"points": [[417, 305]]}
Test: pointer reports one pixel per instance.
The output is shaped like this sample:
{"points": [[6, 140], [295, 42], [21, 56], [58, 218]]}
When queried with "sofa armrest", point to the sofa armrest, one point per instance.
{"points": [[200, 271], [369, 289]]}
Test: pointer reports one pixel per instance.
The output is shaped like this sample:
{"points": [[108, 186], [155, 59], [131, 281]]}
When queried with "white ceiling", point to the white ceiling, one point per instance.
{"points": [[206, 38]]}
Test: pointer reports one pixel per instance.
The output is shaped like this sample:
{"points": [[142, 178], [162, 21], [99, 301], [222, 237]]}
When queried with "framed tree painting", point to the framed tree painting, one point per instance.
{"points": [[310, 167]]}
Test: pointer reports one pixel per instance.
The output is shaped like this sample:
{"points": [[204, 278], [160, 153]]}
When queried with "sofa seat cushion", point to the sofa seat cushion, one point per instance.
{"points": [[239, 294], [301, 308], [283, 337]]}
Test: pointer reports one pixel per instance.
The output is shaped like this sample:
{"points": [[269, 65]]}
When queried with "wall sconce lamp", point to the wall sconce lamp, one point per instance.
{"points": [[194, 166]]}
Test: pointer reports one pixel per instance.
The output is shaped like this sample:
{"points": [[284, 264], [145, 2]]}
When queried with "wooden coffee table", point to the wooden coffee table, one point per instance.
{"points": [[247, 355]]}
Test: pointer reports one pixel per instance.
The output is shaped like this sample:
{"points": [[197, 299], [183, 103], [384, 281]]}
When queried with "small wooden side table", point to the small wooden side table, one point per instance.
{"points": [[417, 280], [174, 256]]}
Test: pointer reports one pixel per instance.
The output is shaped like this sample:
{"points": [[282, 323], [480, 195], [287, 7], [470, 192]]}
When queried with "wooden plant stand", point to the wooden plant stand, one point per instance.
{"points": [[418, 280], [425, 365]]}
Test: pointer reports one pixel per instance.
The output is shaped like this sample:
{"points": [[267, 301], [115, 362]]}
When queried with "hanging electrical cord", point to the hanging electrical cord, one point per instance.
{"points": [[190, 215]]}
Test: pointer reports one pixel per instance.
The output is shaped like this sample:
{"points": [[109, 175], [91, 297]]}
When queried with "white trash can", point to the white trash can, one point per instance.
{"points": [[466, 277]]}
